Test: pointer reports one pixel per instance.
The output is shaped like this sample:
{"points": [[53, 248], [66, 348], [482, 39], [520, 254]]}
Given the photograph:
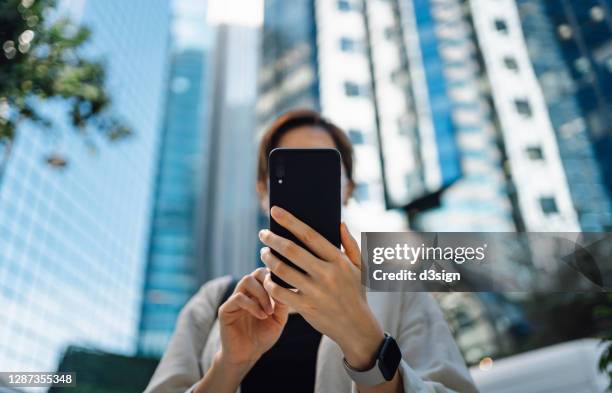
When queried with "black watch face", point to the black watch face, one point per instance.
{"points": [[389, 358]]}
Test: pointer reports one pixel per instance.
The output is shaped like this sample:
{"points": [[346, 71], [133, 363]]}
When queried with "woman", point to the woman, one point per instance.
{"points": [[327, 336]]}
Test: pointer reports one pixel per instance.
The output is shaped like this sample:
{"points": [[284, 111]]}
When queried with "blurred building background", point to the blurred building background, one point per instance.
{"points": [[205, 218], [466, 115], [205, 215], [442, 92], [569, 45], [73, 241], [232, 210], [451, 127], [172, 276]]}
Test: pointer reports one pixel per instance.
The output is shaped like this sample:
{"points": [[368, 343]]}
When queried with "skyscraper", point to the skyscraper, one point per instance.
{"points": [[585, 32], [229, 243], [303, 43], [73, 241], [447, 80], [567, 43], [409, 98], [533, 154], [174, 268], [173, 271], [205, 209]]}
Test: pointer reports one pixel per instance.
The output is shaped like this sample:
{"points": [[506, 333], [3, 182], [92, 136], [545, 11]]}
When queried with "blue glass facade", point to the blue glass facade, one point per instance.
{"points": [[289, 42], [469, 155], [453, 128], [73, 242], [288, 27], [172, 272], [569, 43], [440, 103]]}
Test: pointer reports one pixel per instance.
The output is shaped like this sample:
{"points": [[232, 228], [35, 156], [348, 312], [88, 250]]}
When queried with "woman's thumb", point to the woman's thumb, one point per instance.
{"points": [[351, 247]]}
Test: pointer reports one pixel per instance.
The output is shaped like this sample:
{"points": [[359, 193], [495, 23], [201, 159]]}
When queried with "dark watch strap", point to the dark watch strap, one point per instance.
{"points": [[387, 362]]}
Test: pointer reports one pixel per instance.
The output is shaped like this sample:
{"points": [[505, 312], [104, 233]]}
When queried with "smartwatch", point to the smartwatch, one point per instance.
{"points": [[387, 361]]}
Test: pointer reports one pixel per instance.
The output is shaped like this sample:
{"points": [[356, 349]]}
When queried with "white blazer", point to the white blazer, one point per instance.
{"points": [[431, 361]]}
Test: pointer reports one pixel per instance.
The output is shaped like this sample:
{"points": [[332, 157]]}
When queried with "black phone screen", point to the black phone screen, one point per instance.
{"points": [[306, 183]]}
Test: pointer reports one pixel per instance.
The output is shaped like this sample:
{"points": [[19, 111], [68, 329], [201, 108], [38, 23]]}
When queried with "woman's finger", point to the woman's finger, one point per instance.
{"points": [[282, 295], [311, 238], [296, 254], [239, 301], [254, 289], [281, 312], [290, 275], [351, 247], [280, 309], [260, 274]]}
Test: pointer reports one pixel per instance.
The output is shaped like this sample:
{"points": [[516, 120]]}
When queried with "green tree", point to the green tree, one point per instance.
{"points": [[41, 59]]}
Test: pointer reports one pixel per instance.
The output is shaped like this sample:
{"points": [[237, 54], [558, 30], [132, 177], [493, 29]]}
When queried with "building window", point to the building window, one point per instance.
{"points": [[399, 76], [535, 153], [361, 192], [582, 65], [345, 5], [565, 31], [501, 26], [405, 124], [391, 33], [597, 13], [548, 205], [348, 44], [356, 137], [180, 85], [510, 63], [352, 89], [523, 107], [609, 64]]}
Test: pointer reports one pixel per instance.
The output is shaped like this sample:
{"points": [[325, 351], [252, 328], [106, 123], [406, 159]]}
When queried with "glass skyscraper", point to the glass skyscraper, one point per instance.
{"points": [[205, 208], [569, 46], [230, 244], [533, 161], [289, 48], [73, 241], [172, 271], [461, 115], [447, 120], [548, 63], [303, 44], [175, 268], [411, 102]]}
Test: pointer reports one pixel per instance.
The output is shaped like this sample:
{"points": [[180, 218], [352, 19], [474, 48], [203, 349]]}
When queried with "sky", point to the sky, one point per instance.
{"points": [[193, 18]]}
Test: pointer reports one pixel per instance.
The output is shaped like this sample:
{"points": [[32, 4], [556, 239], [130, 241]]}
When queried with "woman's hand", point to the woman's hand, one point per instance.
{"points": [[330, 295], [250, 322]]}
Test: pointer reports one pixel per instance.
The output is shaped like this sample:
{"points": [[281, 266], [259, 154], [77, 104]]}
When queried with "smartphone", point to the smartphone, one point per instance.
{"points": [[306, 183]]}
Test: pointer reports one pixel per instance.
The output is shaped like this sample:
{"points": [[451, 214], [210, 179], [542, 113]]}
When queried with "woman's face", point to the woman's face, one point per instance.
{"points": [[305, 137]]}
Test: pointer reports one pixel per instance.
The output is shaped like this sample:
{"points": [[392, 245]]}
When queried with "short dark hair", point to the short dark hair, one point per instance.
{"points": [[298, 118]]}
